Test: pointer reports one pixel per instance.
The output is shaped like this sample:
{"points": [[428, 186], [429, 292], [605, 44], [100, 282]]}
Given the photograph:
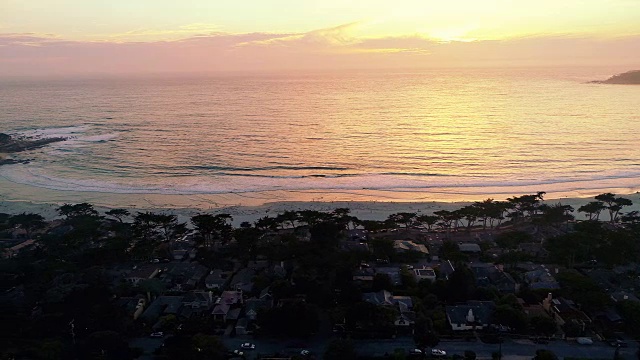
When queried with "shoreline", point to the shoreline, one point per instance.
{"points": [[369, 209]]}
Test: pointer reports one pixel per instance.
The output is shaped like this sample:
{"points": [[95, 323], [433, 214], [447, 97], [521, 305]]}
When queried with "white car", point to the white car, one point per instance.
{"points": [[248, 346], [158, 334], [584, 341], [438, 352], [305, 352]]}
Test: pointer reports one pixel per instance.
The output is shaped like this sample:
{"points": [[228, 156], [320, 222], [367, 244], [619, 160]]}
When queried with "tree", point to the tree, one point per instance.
{"points": [[405, 219], [543, 354], [614, 204], [461, 285], [70, 211], [27, 222], [213, 227], [340, 350], [382, 282], [511, 239], [118, 214], [427, 221], [544, 325], [592, 209]]}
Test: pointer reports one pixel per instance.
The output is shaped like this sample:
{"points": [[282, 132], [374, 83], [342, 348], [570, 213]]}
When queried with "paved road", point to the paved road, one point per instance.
{"points": [[514, 348], [147, 344], [511, 349]]}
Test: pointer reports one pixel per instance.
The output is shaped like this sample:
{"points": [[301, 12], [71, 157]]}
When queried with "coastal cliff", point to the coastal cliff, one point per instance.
{"points": [[627, 78]]}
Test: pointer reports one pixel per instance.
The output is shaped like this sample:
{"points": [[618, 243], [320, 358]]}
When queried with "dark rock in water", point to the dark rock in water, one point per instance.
{"points": [[10, 144], [628, 78], [13, 161]]}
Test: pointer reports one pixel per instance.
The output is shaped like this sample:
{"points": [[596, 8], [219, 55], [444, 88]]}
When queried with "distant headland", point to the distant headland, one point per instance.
{"points": [[628, 78]]}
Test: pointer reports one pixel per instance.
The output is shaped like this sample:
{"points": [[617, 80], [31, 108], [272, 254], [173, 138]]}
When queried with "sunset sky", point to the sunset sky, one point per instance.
{"points": [[129, 36]]}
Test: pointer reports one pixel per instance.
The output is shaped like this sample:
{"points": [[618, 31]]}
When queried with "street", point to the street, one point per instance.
{"points": [[378, 347]]}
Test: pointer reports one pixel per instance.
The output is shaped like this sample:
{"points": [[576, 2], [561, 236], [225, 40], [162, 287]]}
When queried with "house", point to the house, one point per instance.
{"points": [[469, 248], [406, 317], [563, 310], [216, 279], [426, 273], [243, 280], [475, 315], [142, 272], [220, 311], [133, 306], [16, 249], [540, 278], [364, 275], [228, 301], [487, 274], [533, 249], [358, 235], [253, 306], [231, 297], [409, 245], [183, 276], [161, 306], [266, 296], [198, 301], [386, 298], [445, 269], [393, 272], [233, 314], [622, 295], [241, 326]]}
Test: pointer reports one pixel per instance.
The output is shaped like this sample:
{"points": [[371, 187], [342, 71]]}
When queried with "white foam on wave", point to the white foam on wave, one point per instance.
{"points": [[54, 132], [33, 175]]}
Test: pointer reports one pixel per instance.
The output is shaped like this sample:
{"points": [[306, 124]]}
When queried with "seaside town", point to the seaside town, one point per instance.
{"points": [[514, 279]]}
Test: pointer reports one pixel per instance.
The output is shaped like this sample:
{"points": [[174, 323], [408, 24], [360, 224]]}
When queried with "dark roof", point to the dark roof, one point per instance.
{"points": [[482, 311]]}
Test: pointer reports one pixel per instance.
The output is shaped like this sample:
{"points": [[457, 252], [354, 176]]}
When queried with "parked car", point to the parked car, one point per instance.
{"points": [[415, 352], [617, 343], [540, 340], [248, 346], [584, 341], [305, 352], [157, 334], [438, 352]]}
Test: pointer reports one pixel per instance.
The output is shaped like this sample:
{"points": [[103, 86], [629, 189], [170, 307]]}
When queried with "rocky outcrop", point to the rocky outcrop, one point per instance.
{"points": [[10, 144], [628, 78]]}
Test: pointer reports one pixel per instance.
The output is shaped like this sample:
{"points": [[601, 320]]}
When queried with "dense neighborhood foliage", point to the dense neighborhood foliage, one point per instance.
{"points": [[86, 285]]}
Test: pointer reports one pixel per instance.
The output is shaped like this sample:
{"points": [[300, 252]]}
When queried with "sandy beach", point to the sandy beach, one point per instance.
{"points": [[366, 205]]}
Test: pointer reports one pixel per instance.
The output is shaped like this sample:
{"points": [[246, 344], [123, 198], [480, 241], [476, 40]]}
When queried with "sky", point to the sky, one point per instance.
{"points": [[53, 37]]}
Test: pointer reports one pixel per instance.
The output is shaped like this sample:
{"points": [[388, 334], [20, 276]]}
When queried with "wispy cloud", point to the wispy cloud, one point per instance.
{"points": [[336, 47]]}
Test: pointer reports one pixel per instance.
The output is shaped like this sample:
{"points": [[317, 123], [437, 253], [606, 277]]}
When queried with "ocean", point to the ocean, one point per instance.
{"points": [[211, 140]]}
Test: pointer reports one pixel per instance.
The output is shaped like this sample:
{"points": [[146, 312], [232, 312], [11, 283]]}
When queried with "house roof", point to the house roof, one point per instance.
{"points": [[143, 271], [425, 272], [469, 247], [233, 314], [623, 295], [409, 245], [163, 305], [221, 309], [481, 311]]}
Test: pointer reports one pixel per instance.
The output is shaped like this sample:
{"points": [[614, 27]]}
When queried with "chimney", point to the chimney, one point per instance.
{"points": [[210, 297]]}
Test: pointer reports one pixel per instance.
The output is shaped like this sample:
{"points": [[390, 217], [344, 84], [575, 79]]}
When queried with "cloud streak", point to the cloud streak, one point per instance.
{"points": [[330, 48]]}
